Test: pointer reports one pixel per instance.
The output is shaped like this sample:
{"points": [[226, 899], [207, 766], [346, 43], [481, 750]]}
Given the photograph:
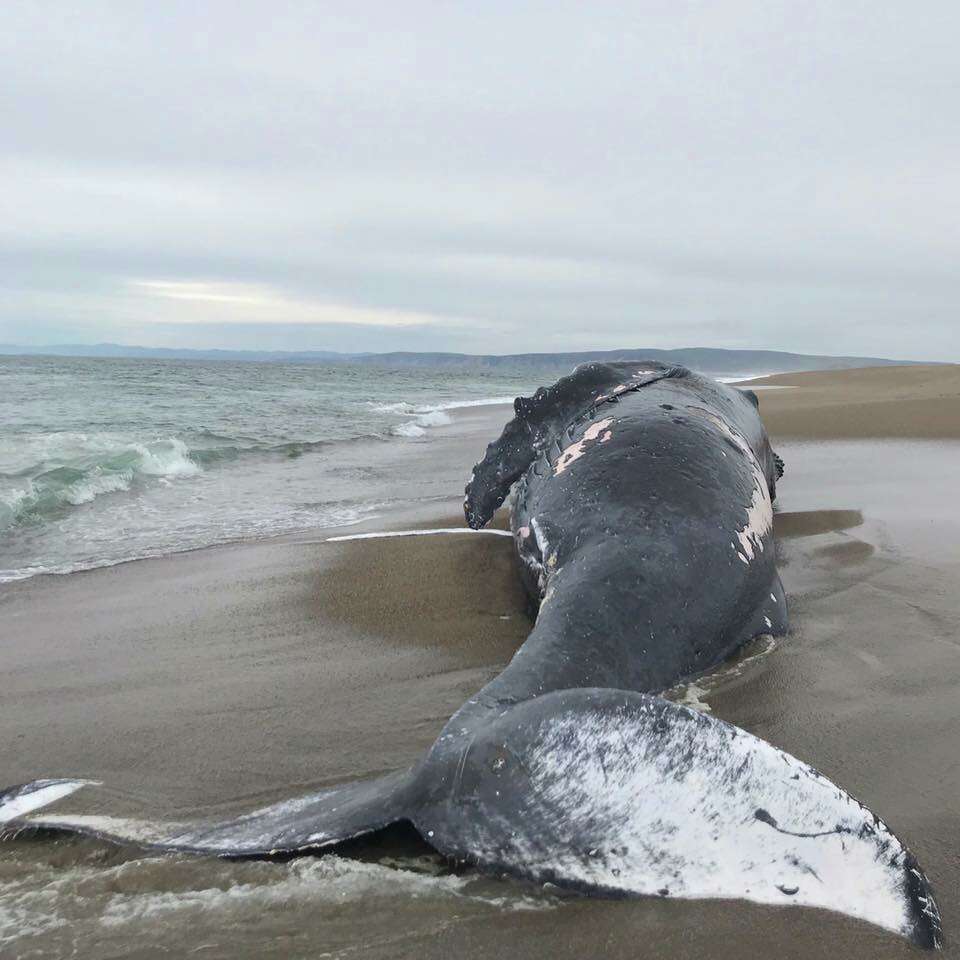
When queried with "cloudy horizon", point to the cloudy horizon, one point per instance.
{"points": [[483, 178]]}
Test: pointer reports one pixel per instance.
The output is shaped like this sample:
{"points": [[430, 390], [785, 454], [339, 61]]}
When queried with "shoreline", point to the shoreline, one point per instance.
{"points": [[813, 406]]}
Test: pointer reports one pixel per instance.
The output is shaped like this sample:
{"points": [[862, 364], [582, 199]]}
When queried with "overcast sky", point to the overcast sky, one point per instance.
{"points": [[482, 177]]}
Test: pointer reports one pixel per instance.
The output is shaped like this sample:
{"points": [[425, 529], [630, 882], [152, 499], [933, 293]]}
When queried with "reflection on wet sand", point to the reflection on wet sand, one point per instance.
{"points": [[810, 523]]}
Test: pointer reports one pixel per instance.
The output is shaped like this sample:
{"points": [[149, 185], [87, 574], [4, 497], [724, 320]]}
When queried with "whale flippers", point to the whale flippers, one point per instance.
{"points": [[625, 793], [312, 822]]}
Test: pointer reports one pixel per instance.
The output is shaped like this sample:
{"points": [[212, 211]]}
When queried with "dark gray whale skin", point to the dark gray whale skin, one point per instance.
{"points": [[642, 520], [630, 549]]}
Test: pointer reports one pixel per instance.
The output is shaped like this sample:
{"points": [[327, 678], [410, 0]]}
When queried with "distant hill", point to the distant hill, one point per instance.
{"points": [[704, 359], [165, 353]]}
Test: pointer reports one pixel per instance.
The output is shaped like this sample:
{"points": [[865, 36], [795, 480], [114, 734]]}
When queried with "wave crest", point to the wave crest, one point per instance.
{"points": [[418, 427], [81, 481], [404, 406]]}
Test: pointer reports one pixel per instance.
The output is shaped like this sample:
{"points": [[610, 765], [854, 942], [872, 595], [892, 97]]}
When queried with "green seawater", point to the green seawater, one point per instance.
{"points": [[104, 460]]}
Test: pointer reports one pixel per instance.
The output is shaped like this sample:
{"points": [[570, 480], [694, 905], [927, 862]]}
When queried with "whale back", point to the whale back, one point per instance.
{"points": [[541, 418]]}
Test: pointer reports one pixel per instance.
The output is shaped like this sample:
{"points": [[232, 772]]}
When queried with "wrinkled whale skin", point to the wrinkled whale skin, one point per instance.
{"points": [[642, 517]]}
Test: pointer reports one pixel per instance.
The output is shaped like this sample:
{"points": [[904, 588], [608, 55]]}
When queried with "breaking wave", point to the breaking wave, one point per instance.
{"points": [[428, 415], [52, 473], [403, 406], [52, 489], [418, 427]]}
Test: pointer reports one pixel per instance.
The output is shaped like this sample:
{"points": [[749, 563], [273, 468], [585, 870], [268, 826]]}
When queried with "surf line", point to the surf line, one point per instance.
{"points": [[414, 533]]}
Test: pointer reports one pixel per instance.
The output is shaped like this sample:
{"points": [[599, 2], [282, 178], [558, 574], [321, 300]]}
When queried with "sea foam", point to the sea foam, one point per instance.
{"points": [[100, 469]]}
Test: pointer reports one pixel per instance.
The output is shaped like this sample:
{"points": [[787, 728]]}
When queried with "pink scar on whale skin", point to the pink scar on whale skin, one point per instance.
{"points": [[624, 387], [577, 450], [615, 392]]}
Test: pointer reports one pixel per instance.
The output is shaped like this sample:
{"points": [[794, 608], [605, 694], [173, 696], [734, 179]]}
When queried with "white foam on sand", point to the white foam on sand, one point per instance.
{"points": [[140, 894], [404, 406], [409, 429], [429, 415], [413, 533]]}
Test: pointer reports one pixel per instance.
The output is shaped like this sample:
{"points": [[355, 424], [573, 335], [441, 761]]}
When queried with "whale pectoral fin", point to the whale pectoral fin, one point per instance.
{"points": [[625, 793], [506, 459], [311, 822]]}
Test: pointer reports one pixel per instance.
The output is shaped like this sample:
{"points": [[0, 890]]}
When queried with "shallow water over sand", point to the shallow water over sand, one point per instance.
{"points": [[260, 671], [81, 897]]}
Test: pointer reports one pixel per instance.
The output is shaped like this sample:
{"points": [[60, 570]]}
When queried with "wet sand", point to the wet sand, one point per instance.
{"points": [[214, 681]]}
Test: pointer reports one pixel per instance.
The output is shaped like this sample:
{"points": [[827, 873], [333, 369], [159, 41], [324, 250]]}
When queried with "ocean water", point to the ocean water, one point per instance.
{"points": [[105, 460]]}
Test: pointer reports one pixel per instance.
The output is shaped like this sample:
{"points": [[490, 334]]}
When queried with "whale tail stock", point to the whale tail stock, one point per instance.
{"points": [[305, 824], [597, 790]]}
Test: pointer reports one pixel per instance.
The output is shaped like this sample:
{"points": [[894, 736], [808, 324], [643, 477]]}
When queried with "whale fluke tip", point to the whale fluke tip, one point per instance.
{"points": [[16, 802]]}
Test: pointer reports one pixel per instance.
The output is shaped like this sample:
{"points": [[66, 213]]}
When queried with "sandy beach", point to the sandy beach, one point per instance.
{"points": [[917, 402], [214, 681]]}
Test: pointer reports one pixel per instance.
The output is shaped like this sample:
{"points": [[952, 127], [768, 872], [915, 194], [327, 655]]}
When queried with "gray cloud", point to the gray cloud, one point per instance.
{"points": [[521, 176]]}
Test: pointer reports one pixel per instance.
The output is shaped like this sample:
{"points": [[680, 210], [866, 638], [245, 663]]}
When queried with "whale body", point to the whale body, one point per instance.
{"points": [[643, 522]]}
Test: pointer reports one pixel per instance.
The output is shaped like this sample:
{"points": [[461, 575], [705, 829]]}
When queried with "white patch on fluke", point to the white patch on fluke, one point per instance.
{"points": [[575, 451], [135, 831], [695, 808], [40, 793]]}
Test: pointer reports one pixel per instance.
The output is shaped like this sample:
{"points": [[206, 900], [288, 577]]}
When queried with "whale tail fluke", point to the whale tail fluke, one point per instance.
{"points": [[312, 822], [625, 793], [18, 801]]}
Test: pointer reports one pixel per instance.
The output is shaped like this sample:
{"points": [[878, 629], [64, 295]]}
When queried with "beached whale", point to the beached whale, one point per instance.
{"points": [[643, 521]]}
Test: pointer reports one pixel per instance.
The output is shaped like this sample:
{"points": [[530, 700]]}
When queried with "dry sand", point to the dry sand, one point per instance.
{"points": [[254, 672], [921, 402]]}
